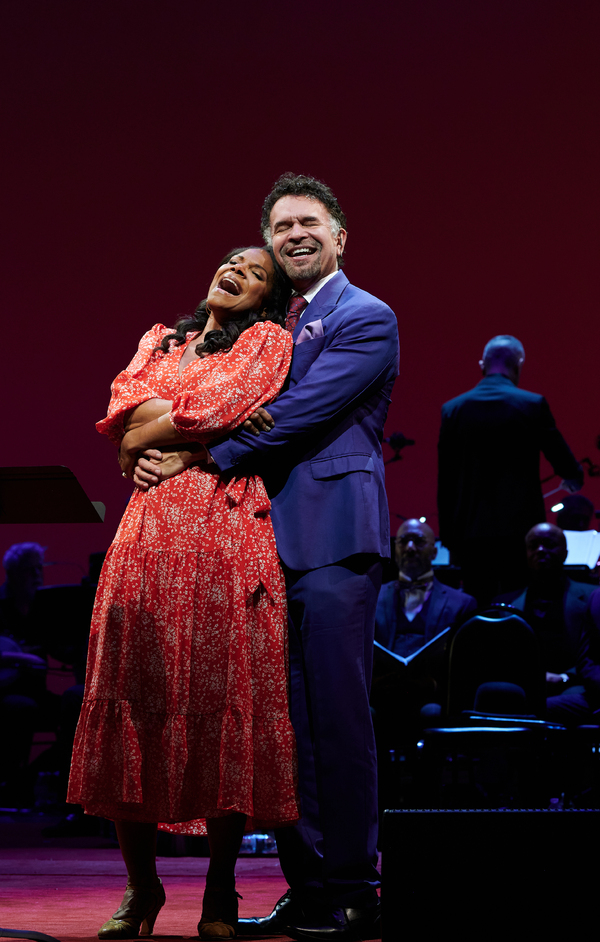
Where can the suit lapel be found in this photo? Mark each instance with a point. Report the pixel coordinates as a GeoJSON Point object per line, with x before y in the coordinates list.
{"type": "Point", "coordinates": [519, 601]}
{"type": "Point", "coordinates": [434, 611]}
{"type": "Point", "coordinates": [323, 303]}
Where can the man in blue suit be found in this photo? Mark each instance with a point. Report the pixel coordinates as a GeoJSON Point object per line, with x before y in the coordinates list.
{"type": "Point", "coordinates": [320, 455]}
{"type": "Point", "coordinates": [323, 465]}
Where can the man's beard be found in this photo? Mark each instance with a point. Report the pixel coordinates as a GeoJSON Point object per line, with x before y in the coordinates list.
{"type": "Point", "coordinates": [307, 273]}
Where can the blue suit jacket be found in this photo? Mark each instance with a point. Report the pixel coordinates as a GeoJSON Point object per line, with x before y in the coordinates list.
{"type": "Point", "coordinates": [322, 462]}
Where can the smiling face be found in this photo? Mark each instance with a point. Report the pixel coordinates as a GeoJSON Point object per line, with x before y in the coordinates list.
{"type": "Point", "coordinates": [303, 241]}
{"type": "Point", "coordinates": [241, 284]}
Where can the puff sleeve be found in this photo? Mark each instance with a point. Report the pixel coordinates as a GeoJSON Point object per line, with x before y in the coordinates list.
{"type": "Point", "coordinates": [130, 387]}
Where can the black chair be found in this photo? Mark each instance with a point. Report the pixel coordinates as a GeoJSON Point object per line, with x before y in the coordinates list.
{"type": "Point", "coordinates": [497, 646]}
{"type": "Point", "coordinates": [492, 758]}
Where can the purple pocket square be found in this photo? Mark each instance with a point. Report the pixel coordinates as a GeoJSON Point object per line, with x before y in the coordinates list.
{"type": "Point", "coordinates": [310, 332]}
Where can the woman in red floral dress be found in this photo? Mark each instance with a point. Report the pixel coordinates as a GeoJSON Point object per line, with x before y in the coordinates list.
{"type": "Point", "coordinates": [185, 715]}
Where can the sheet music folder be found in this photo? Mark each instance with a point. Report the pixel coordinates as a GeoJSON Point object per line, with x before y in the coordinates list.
{"type": "Point", "coordinates": [50, 494]}
{"type": "Point", "coordinates": [386, 662]}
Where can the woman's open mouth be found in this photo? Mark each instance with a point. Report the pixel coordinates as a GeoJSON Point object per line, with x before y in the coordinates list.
{"type": "Point", "coordinates": [230, 285]}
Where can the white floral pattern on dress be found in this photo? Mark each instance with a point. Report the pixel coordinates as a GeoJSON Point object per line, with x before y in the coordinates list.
{"type": "Point", "coordinates": [185, 713]}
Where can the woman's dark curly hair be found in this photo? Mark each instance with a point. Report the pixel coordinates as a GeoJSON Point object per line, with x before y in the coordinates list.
{"type": "Point", "coordinates": [273, 309]}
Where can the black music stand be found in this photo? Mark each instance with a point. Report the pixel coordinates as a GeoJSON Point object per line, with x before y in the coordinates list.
{"type": "Point", "coordinates": [50, 494]}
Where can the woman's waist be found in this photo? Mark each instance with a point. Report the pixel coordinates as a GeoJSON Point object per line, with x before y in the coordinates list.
{"type": "Point", "coordinates": [192, 502]}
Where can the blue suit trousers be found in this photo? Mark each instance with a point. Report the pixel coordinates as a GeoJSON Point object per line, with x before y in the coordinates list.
{"type": "Point", "coordinates": [332, 853]}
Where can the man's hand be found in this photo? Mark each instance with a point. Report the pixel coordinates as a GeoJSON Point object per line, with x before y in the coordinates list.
{"type": "Point", "coordinates": [259, 421]}
{"type": "Point", "coordinates": [572, 485]}
{"type": "Point", "coordinates": [555, 678]}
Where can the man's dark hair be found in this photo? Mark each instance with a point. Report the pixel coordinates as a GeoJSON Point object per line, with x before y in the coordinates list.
{"type": "Point", "coordinates": [224, 339]}
{"type": "Point", "coordinates": [292, 184]}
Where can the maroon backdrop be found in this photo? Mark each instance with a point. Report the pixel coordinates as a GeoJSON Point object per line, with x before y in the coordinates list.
{"type": "Point", "coordinates": [462, 139]}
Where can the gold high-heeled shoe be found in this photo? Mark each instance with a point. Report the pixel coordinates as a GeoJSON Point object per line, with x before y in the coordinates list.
{"type": "Point", "coordinates": [219, 915]}
{"type": "Point", "coordinates": [137, 913]}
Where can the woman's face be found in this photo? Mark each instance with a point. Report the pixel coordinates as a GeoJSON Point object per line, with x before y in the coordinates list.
{"type": "Point", "coordinates": [241, 284]}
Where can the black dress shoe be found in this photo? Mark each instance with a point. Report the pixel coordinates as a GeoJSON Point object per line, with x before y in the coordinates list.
{"type": "Point", "coordinates": [285, 911]}
{"type": "Point", "coordinates": [342, 925]}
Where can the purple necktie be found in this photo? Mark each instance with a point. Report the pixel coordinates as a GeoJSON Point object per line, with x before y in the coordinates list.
{"type": "Point", "coordinates": [295, 308]}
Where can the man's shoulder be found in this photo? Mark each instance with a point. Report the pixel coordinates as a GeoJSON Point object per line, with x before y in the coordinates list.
{"type": "Point", "coordinates": [455, 596]}
{"type": "Point", "coordinates": [452, 404]}
{"type": "Point", "coordinates": [363, 299]}
{"type": "Point", "coordinates": [386, 593]}
{"type": "Point", "coordinates": [580, 590]}
{"type": "Point", "coordinates": [508, 392]}
{"type": "Point", "coordinates": [525, 395]}
{"type": "Point", "coordinates": [341, 295]}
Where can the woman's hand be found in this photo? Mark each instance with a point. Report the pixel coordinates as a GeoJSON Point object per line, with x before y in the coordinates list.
{"type": "Point", "coordinates": [158, 433]}
{"type": "Point", "coordinates": [155, 466]}
{"type": "Point", "coordinates": [128, 455]}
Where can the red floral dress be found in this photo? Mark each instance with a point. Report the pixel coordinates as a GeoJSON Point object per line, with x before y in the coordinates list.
{"type": "Point", "coordinates": [185, 713]}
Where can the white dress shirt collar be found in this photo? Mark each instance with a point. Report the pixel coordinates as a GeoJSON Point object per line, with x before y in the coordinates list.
{"type": "Point", "coordinates": [312, 291]}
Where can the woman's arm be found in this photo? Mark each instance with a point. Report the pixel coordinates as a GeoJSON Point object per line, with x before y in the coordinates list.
{"type": "Point", "coordinates": [154, 434]}
{"type": "Point", "coordinates": [222, 394]}
{"type": "Point", "coordinates": [146, 412]}
{"type": "Point", "coordinates": [131, 388]}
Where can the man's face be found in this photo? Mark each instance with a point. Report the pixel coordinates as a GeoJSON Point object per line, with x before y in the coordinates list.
{"type": "Point", "coordinates": [546, 548]}
{"type": "Point", "coordinates": [303, 242]}
{"type": "Point", "coordinates": [415, 548]}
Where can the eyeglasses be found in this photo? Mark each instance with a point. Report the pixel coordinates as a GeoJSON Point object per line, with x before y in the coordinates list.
{"type": "Point", "coordinates": [411, 538]}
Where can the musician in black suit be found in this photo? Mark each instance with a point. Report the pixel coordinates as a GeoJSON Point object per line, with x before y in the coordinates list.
{"type": "Point", "coordinates": [565, 617]}
{"type": "Point", "coordinates": [416, 607]}
{"type": "Point", "coordinates": [489, 491]}
{"type": "Point", "coordinates": [411, 611]}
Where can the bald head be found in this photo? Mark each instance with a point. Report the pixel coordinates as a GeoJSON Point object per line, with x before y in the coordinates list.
{"type": "Point", "coordinates": [546, 547]}
{"type": "Point", "coordinates": [415, 548]}
{"type": "Point", "coordinates": [505, 355]}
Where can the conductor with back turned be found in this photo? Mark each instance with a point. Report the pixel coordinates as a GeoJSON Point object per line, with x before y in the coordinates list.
{"type": "Point", "coordinates": [489, 485]}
